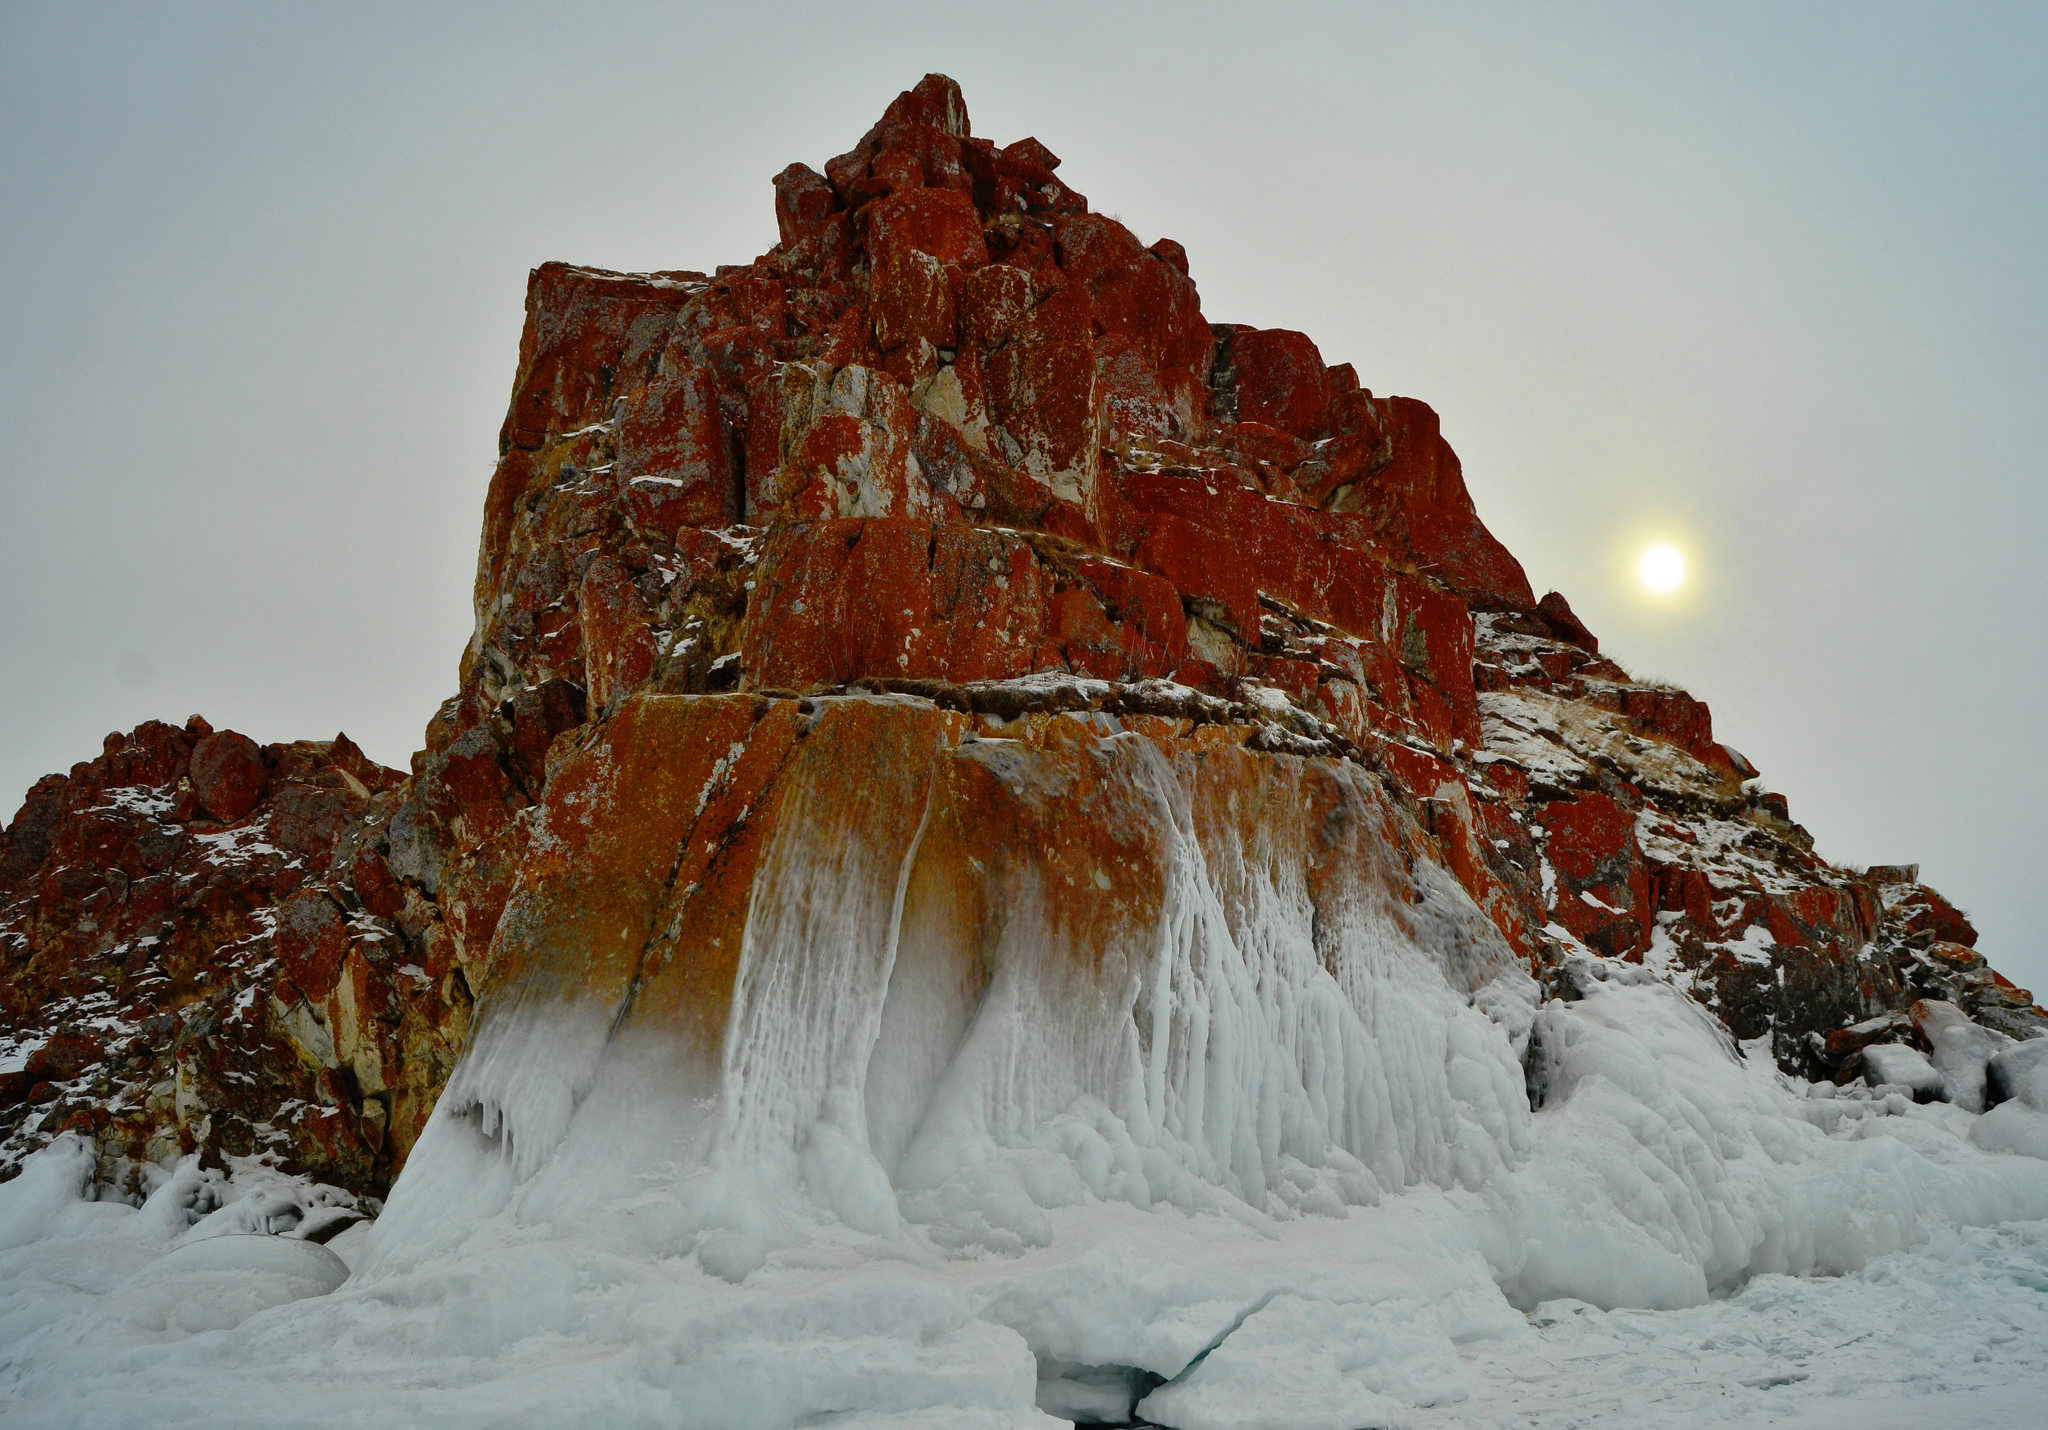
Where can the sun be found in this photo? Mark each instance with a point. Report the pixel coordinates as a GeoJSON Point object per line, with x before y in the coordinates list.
{"type": "Point", "coordinates": [1662, 568]}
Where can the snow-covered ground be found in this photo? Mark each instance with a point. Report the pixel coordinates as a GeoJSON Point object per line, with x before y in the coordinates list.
{"type": "Point", "coordinates": [1952, 1334]}
{"type": "Point", "coordinates": [1816, 1261]}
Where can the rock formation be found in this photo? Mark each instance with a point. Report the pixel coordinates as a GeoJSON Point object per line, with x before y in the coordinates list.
{"type": "Point", "coordinates": [180, 975]}
{"type": "Point", "coordinates": [901, 664]}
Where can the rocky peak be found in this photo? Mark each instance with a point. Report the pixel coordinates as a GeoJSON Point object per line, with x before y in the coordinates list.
{"type": "Point", "coordinates": [959, 461]}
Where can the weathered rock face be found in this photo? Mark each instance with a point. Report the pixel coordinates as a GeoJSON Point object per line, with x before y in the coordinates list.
{"type": "Point", "coordinates": [1000, 920]}
{"type": "Point", "coordinates": [951, 530]}
{"type": "Point", "coordinates": [187, 966]}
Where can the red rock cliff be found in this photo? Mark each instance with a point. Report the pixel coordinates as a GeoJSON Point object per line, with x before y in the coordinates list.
{"type": "Point", "coordinates": [958, 462]}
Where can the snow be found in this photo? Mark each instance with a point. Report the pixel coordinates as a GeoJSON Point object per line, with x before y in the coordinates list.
{"type": "Point", "coordinates": [238, 845]}
{"type": "Point", "coordinates": [51, 1199]}
{"type": "Point", "coordinates": [1309, 1170]}
{"type": "Point", "coordinates": [1961, 1052]}
{"type": "Point", "coordinates": [1895, 1064]}
{"type": "Point", "coordinates": [1948, 1334]}
{"type": "Point", "coordinates": [1318, 1365]}
{"type": "Point", "coordinates": [2020, 1072]}
{"type": "Point", "coordinates": [216, 1284]}
{"type": "Point", "coordinates": [138, 799]}
{"type": "Point", "coordinates": [2012, 1127]}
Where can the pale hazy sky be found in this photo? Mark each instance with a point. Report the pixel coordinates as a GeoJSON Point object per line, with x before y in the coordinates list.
{"type": "Point", "coordinates": [1763, 280]}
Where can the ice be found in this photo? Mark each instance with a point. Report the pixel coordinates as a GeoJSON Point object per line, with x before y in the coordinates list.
{"type": "Point", "coordinates": [1387, 1315]}
{"type": "Point", "coordinates": [1672, 1169]}
{"type": "Point", "coordinates": [947, 1418]}
{"type": "Point", "coordinates": [348, 1243]}
{"type": "Point", "coordinates": [2019, 1072]}
{"type": "Point", "coordinates": [1092, 1394]}
{"type": "Point", "coordinates": [2012, 1127]}
{"type": "Point", "coordinates": [1318, 1365]}
{"type": "Point", "coordinates": [52, 1199]}
{"type": "Point", "coordinates": [185, 1197]}
{"type": "Point", "coordinates": [220, 1282]}
{"type": "Point", "coordinates": [1961, 1050]}
{"type": "Point", "coordinates": [1896, 1065]}
{"type": "Point", "coordinates": [261, 1213]}
{"type": "Point", "coordinates": [1317, 1154]}
{"type": "Point", "coordinates": [1948, 1334]}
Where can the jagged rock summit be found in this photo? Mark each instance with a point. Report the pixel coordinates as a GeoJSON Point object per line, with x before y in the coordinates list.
{"type": "Point", "coordinates": [954, 741]}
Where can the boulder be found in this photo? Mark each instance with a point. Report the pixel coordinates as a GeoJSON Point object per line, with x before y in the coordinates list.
{"type": "Point", "coordinates": [1896, 1065]}
{"type": "Point", "coordinates": [1281, 381]}
{"type": "Point", "coordinates": [1844, 1043]}
{"type": "Point", "coordinates": [941, 224]}
{"type": "Point", "coordinates": [2019, 1072]}
{"type": "Point", "coordinates": [804, 203]}
{"type": "Point", "coordinates": [673, 463]}
{"type": "Point", "coordinates": [67, 1053]}
{"type": "Point", "coordinates": [1928, 913]}
{"type": "Point", "coordinates": [847, 445]}
{"type": "Point", "coordinates": [1557, 614]}
{"type": "Point", "coordinates": [27, 841]}
{"type": "Point", "coordinates": [312, 941]}
{"type": "Point", "coordinates": [1961, 1050]}
{"type": "Point", "coordinates": [228, 775]}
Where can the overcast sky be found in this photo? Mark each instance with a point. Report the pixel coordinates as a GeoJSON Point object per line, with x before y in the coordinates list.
{"type": "Point", "coordinates": [1766, 282]}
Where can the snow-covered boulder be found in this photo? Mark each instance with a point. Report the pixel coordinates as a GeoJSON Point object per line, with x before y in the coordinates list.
{"type": "Point", "coordinates": [219, 1282]}
{"type": "Point", "coordinates": [1961, 1049]}
{"type": "Point", "coordinates": [2019, 1072]}
{"type": "Point", "coordinates": [1896, 1065]}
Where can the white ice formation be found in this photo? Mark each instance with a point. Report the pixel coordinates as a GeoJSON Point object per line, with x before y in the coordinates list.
{"type": "Point", "coordinates": [1311, 1159]}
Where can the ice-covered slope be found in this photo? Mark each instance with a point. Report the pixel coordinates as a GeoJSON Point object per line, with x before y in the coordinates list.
{"type": "Point", "coordinates": [654, 1268]}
